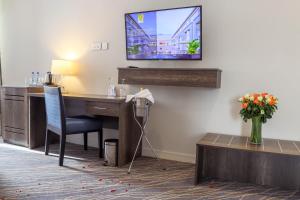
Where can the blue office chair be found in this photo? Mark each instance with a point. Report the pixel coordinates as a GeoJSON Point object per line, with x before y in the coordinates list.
{"type": "Point", "coordinates": [61, 125]}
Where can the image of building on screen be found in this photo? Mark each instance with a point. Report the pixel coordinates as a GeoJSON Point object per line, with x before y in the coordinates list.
{"type": "Point", "coordinates": [166, 34]}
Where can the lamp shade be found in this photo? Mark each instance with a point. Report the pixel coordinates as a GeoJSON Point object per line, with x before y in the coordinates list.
{"type": "Point", "coordinates": [62, 67]}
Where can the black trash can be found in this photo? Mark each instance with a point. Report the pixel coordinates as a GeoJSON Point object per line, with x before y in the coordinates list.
{"type": "Point", "coordinates": [111, 152]}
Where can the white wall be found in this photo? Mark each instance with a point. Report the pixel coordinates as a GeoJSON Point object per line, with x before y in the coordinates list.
{"type": "Point", "coordinates": [1, 25]}
{"type": "Point", "coordinates": [255, 42]}
{"type": "Point", "coordinates": [1, 12]}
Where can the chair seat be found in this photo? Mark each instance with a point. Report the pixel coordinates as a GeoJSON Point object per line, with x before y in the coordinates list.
{"type": "Point", "coordinates": [59, 124]}
{"type": "Point", "coordinates": [81, 124]}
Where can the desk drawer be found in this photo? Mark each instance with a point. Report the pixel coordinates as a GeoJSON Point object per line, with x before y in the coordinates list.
{"type": "Point", "coordinates": [99, 108]}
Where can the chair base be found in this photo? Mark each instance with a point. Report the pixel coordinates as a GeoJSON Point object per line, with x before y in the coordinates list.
{"type": "Point", "coordinates": [63, 143]}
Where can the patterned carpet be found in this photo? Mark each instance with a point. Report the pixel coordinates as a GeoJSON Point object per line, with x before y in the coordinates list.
{"type": "Point", "coordinates": [26, 174]}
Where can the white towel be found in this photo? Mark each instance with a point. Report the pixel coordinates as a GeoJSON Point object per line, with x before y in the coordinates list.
{"type": "Point", "coordinates": [142, 94]}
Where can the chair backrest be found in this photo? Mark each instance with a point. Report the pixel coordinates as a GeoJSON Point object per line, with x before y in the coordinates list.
{"type": "Point", "coordinates": [55, 113]}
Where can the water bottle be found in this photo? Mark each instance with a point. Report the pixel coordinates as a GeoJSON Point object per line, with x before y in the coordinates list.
{"type": "Point", "coordinates": [123, 91]}
{"type": "Point", "coordinates": [111, 88]}
{"type": "Point", "coordinates": [37, 78]}
{"type": "Point", "coordinates": [32, 80]}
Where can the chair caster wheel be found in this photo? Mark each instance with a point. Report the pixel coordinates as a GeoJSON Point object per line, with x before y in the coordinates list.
{"type": "Point", "coordinates": [128, 172]}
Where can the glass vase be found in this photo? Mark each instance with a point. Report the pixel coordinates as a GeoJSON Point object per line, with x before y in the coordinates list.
{"type": "Point", "coordinates": [256, 130]}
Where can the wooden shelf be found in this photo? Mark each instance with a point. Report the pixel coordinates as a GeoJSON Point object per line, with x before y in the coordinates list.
{"type": "Point", "coordinates": [188, 77]}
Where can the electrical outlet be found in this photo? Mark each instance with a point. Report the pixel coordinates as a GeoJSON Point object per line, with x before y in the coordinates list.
{"type": "Point", "coordinates": [104, 46]}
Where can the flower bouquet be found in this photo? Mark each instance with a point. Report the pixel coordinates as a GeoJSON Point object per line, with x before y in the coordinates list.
{"type": "Point", "coordinates": [259, 107]}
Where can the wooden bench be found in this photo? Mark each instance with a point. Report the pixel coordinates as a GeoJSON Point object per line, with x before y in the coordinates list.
{"type": "Point", "coordinates": [234, 158]}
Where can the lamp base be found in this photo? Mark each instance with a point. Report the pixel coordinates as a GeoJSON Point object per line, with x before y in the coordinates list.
{"type": "Point", "coordinates": [63, 90]}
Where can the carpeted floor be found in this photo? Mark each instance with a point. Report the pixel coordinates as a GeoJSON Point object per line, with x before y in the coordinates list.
{"type": "Point", "coordinates": [26, 174]}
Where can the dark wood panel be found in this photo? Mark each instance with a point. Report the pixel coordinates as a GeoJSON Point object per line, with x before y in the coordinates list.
{"type": "Point", "coordinates": [13, 103]}
{"type": "Point", "coordinates": [289, 147]}
{"type": "Point", "coordinates": [224, 140]}
{"type": "Point", "coordinates": [85, 97]}
{"type": "Point", "coordinates": [297, 145]}
{"type": "Point", "coordinates": [14, 106]}
{"type": "Point", "coordinates": [243, 143]}
{"type": "Point", "coordinates": [129, 134]}
{"type": "Point", "coordinates": [14, 97]}
{"type": "Point", "coordinates": [239, 142]}
{"type": "Point", "coordinates": [14, 114]}
{"type": "Point", "coordinates": [37, 122]}
{"type": "Point", "coordinates": [14, 91]}
{"type": "Point", "coordinates": [103, 108]}
{"type": "Point", "coordinates": [270, 145]}
{"type": "Point", "coordinates": [208, 138]}
{"type": "Point", "coordinates": [252, 167]}
{"type": "Point", "coordinates": [15, 138]}
{"type": "Point", "coordinates": [75, 107]}
{"type": "Point", "coordinates": [14, 130]}
{"type": "Point", "coordinates": [190, 77]}
{"type": "Point", "coordinates": [199, 163]}
{"type": "Point", "coordinates": [234, 158]}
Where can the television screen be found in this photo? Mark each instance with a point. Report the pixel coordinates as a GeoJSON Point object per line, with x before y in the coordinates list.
{"type": "Point", "coordinates": [171, 34]}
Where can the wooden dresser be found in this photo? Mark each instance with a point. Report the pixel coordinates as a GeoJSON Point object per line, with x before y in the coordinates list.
{"type": "Point", "coordinates": [14, 106]}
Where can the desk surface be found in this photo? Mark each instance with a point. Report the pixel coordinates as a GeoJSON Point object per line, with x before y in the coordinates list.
{"type": "Point", "coordinates": [243, 143]}
{"type": "Point", "coordinates": [85, 97]}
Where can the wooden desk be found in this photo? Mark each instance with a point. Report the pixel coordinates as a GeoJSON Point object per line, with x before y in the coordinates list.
{"type": "Point", "coordinates": [233, 158]}
{"type": "Point", "coordinates": [115, 113]}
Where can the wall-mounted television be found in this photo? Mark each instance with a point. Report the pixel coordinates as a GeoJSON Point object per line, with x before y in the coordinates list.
{"type": "Point", "coordinates": [169, 34]}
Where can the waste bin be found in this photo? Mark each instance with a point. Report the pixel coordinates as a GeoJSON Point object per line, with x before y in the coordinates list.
{"type": "Point", "coordinates": [141, 106]}
{"type": "Point", "coordinates": [111, 152]}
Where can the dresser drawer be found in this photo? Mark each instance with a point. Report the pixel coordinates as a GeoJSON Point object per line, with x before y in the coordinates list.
{"type": "Point", "coordinates": [13, 94]}
{"type": "Point", "coordinates": [99, 108]}
{"type": "Point", "coordinates": [21, 92]}
{"type": "Point", "coordinates": [14, 106]}
{"type": "Point", "coordinates": [15, 137]}
{"type": "Point", "coordinates": [14, 114]}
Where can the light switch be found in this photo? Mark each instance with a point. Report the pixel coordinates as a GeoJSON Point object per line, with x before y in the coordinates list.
{"type": "Point", "coordinates": [96, 46]}
{"type": "Point", "coordinates": [104, 45]}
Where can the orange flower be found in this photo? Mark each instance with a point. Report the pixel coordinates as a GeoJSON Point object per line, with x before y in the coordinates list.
{"type": "Point", "coordinates": [264, 94]}
{"type": "Point", "coordinates": [256, 101]}
{"type": "Point", "coordinates": [255, 95]}
{"type": "Point", "coordinates": [244, 105]}
{"type": "Point", "coordinates": [272, 102]}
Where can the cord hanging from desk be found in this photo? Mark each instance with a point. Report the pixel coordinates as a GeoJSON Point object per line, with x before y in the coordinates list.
{"type": "Point", "coordinates": [142, 101]}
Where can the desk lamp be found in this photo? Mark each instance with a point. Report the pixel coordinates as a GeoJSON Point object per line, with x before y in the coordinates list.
{"type": "Point", "coordinates": [61, 68]}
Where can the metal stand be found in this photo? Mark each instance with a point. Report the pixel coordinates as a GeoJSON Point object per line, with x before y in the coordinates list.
{"type": "Point", "coordinates": [145, 107]}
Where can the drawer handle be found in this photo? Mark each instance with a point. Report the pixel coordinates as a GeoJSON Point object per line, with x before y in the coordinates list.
{"type": "Point", "coordinates": [99, 108]}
